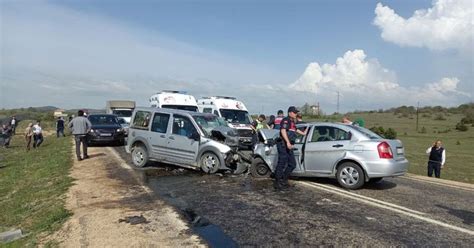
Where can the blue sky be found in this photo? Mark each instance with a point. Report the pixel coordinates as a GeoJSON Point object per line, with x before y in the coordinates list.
{"type": "Point", "coordinates": [264, 52]}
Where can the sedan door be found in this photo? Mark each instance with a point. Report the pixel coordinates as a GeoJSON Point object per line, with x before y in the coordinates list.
{"type": "Point", "coordinates": [182, 148]}
{"type": "Point", "coordinates": [326, 146]}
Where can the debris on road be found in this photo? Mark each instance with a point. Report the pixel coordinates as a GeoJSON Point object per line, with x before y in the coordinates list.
{"type": "Point", "coordinates": [134, 220]}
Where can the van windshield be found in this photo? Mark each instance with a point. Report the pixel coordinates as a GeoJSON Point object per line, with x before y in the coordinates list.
{"type": "Point", "coordinates": [208, 122]}
{"type": "Point", "coordinates": [235, 116]}
{"type": "Point", "coordinates": [181, 107]}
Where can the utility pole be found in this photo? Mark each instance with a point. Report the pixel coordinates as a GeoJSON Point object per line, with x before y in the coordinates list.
{"type": "Point", "coordinates": [417, 107]}
{"type": "Point", "coordinates": [337, 102]}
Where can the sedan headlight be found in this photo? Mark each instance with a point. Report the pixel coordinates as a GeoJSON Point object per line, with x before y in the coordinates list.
{"type": "Point", "coordinates": [92, 130]}
{"type": "Point", "coordinates": [120, 130]}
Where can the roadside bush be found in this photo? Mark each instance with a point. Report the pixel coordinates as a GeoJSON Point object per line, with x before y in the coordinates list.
{"type": "Point", "coordinates": [458, 143]}
{"type": "Point", "coordinates": [461, 127]}
{"type": "Point", "coordinates": [440, 117]}
{"type": "Point", "coordinates": [390, 133]}
{"type": "Point", "coordinates": [423, 130]}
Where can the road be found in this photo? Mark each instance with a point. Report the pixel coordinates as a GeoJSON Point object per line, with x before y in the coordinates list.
{"type": "Point", "coordinates": [400, 211]}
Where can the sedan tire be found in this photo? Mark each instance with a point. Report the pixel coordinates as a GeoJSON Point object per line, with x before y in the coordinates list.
{"type": "Point", "coordinates": [139, 156]}
{"type": "Point", "coordinates": [350, 175]}
{"type": "Point", "coordinates": [259, 168]}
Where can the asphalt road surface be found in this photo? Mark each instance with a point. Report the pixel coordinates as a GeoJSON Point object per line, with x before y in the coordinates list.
{"type": "Point", "coordinates": [244, 211]}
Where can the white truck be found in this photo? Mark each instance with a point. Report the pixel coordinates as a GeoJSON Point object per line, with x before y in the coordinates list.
{"type": "Point", "coordinates": [234, 112]}
{"type": "Point", "coordinates": [174, 100]}
{"type": "Point", "coordinates": [122, 108]}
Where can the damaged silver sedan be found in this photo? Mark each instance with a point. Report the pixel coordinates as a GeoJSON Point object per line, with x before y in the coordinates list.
{"type": "Point", "coordinates": [351, 154]}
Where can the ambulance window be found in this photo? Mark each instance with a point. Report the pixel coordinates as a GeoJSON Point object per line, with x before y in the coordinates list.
{"type": "Point", "coordinates": [207, 110]}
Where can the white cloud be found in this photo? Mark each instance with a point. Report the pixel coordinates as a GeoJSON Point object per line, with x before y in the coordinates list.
{"type": "Point", "coordinates": [449, 24]}
{"type": "Point", "coordinates": [364, 83]}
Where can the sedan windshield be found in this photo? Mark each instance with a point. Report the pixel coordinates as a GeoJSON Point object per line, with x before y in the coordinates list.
{"type": "Point", "coordinates": [103, 119]}
{"type": "Point", "coordinates": [208, 122]}
{"type": "Point", "coordinates": [236, 116]}
{"type": "Point", "coordinates": [366, 132]}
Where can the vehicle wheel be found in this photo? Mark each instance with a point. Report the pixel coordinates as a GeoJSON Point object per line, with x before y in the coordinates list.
{"type": "Point", "coordinates": [259, 168]}
{"type": "Point", "coordinates": [139, 156]}
{"type": "Point", "coordinates": [350, 176]}
{"type": "Point", "coordinates": [209, 163]}
{"type": "Point", "coordinates": [375, 180]}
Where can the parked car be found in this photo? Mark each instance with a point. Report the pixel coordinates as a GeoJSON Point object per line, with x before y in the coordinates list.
{"type": "Point", "coordinates": [106, 129]}
{"type": "Point", "coordinates": [351, 154]}
{"type": "Point", "coordinates": [184, 138]}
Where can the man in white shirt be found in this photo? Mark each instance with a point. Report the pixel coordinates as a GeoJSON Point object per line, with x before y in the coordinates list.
{"type": "Point", "coordinates": [37, 135]}
{"type": "Point", "coordinates": [436, 159]}
{"type": "Point", "coordinates": [13, 124]}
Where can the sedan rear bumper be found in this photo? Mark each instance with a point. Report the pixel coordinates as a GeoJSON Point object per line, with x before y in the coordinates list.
{"type": "Point", "coordinates": [386, 168]}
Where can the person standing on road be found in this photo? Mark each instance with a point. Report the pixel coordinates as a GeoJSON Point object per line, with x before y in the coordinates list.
{"type": "Point", "coordinates": [80, 127]}
{"type": "Point", "coordinates": [436, 159]}
{"type": "Point", "coordinates": [37, 135]}
{"type": "Point", "coordinates": [28, 135]}
{"type": "Point", "coordinates": [60, 127]}
{"type": "Point", "coordinates": [13, 124]}
{"type": "Point", "coordinates": [286, 158]}
{"type": "Point", "coordinates": [278, 119]}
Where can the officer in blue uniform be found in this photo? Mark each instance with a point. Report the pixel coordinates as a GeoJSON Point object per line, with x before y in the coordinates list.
{"type": "Point", "coordinates": [286, 158]}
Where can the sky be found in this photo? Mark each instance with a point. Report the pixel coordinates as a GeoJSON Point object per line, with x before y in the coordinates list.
{"type": "Point", "coordinates": [269, 54]}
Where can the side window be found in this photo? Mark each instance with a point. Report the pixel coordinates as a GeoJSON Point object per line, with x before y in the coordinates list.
{"type": "Point", "coordinates": [216, 112]}
{"type": "Point", "coordinates": [141, 120]}
{"type": "Point", "coordinates": [183, 126]}
{"type": "Point", "coordinates": [160, 123]}
{"type": "Point", "coordinates": [324, 133]}
{"type": "Point", "coordinates": [207, 110]}
{"type": "Point", "coordinates": [300, 138]}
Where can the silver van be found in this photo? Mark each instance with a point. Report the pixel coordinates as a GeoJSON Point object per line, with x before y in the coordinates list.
{"type": "Point", "coordinates": [188, 139]}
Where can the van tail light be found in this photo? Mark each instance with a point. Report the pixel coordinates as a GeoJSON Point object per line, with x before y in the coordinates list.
{"type": "Point", "coordinates": [384, 150]}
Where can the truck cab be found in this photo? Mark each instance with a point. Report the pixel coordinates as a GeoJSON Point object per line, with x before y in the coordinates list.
{"type": "Point", "coordinates": [233, 112]}
{"type": "Point", "coordinates": [172, 99]}
{"type": "Point", "coordinates": [123, 109]}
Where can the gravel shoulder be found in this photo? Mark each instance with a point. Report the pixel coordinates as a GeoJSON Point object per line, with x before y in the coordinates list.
{"type": "Point", "coordinates": [104, 194]}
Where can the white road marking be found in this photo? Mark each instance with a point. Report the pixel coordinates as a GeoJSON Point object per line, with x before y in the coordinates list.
{"type": "Point", "coordinates": [386, 205]}
{"type": "Point", "coordinates": [437, 183]}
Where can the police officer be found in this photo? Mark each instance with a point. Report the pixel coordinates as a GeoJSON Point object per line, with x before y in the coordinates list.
{"type": "Point", "coordinates": [286, 158]}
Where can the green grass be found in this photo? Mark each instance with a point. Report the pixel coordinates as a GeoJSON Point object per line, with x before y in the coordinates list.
{"type": "Point", "coordinates": [33, 186]}
{"type": "Point", "coordinates": [459, 145]}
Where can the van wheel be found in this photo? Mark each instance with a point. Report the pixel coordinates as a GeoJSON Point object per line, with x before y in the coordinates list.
{"type": "Point", "coordinates": [209, 163]}
{"type": "Point", "coordinates": [350, 176]}
{"type": "Point", "coordinates": [139, 156]}
{"type": "Point", "coordinates": [259, 168]}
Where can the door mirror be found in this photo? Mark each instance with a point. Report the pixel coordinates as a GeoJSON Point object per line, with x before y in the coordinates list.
{"type": "Point", "coordinates": [195, 136]}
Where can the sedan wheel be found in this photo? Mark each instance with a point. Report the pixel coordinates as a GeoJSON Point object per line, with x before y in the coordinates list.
{"type": "Point", "coordinates": [350, 176]}
{"type": "Point", "coordinates": [209, 163]}
{"type": "Point", "coordinates": [139, 156]}
{"type": "Point", "coordinates": [259, 168]}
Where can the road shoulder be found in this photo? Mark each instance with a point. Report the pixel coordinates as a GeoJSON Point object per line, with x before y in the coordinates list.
{"type": "Point", "coordinates": [103, 196]}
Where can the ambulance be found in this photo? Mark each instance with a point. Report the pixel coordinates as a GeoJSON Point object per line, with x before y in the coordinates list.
{"type": "Point", "coordinates": [233, 112]}
{"type": "Point", "coordinates": [173, 99]}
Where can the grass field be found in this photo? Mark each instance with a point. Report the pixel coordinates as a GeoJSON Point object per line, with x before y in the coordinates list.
{"type": "Point", "coordinates": [459, 145]}
{"type": "Point", "coordinates": [33, 186]}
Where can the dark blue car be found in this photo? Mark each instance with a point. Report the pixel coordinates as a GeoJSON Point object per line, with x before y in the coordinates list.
{"type": "Point", "coordinates": [106, 129]}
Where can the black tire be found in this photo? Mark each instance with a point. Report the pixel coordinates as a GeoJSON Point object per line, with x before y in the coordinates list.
{"type": "Point", "coordinates": [209, 163]}
{"type": "Point", "coordinates": [259, 168]}
{"type": "Point", "coordinates": [375, 180]}
{"type": "Point", "coordinates": [139, 156]}
{"type": "Point", "coordinates": [350, 175]}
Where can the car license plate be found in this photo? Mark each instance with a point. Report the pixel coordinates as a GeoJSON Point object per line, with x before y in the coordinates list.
{"type": "Point", "coordinates": [105, 134]}
{"type": "Point", "coordinates": [400, 150]}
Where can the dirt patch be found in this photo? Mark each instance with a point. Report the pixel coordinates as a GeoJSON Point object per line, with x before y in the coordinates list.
{"type": "Point", "coordinates": [104, 195]}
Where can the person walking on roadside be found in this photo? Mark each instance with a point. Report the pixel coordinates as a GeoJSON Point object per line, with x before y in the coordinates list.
{"type": "Point", "coordinates": [286, 158]}
{"type": "Point", "coordinates": [437, 158]}
{"type": "Point", "coordinates": [29, 136]}
{"type": "Point", "coordinates": [60, 127]}
{"type": "Point", "coordinates": [80, 127]}
{"type": "Point", "coordinates": [37, 135]}
{"type": "Point", "coordinates": [280, 116]}
{"type": "Point", "coordinates": [13, 124]}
